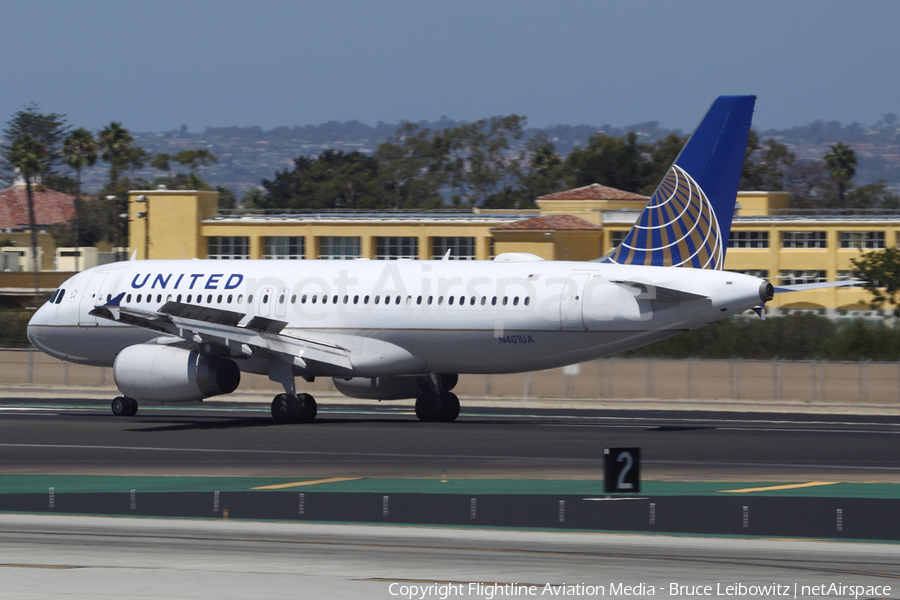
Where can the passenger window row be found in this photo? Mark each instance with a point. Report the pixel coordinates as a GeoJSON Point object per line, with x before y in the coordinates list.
{"type": "Point", "coordinates": [323, 299]}
{"type": "Point", "coordinates": [428, 300]}
{"type": "Point", "coordinates": [190, 298]}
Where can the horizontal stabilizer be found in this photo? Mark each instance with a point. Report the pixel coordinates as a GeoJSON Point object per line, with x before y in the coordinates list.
{"type": "Point", "coordinates": [661, 293]}
{"type": "Point", "coordinates": [803, 287]}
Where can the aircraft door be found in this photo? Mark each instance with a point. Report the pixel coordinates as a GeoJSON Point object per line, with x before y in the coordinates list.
{"type": "Point", "coordinates": [571, 302]}
{"type": "Point", "coordinates": [90, 298]}
{"type": "Point", "coordinates": [266, 300]}
{"type": "Point", "coordinates": [281, 302]}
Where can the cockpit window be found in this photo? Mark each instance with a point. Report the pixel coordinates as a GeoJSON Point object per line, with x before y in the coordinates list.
{"type": "Point", "coordinates": [52, 299]}
{"type": "Point", "coordinates": [60, 295]}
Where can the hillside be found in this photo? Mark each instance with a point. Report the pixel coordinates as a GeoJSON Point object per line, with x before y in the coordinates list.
{"type": "Point", "coordinates": [247, 155]}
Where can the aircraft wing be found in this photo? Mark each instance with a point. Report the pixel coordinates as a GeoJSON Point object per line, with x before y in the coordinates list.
{"type": "Point", "coordinates": [201, 325]}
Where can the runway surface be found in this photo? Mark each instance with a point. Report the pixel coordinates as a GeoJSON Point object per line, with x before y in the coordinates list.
{"type": "Point", "coordinates": [385, 440]}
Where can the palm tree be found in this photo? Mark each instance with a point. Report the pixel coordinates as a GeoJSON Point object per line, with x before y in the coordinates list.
{"type": "Point", "coordinates": [841, 161]}
{"type": "Point", "coordinates": [27, 155]}
{"type": "Point", "coordinates": [80, 151]}
{"type": "Point", "coordinates": [115, 141]}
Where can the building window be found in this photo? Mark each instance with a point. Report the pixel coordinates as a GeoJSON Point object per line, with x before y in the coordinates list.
{"type": "Point", "coordinates": [798, 277]}
{"type": "Point", "coordinates": [748, 239]}
{"type": "Point", "coordinates": [461, 248]}
{"type": "Point", "coordinates": [862, 239]}
{"type": "Point", "coordinates": [803, 239]}
{"type": "Point", "coordinates": [339, 248]}
{"type": "Point", "coordinates": [616, 238]}
{"type": "Point", "coordinates": [292, 248]}
{"type": "Point", "coordinates": [225, 247]}
{"type": "Point", "coordinates": [392, 248]}
{"type": "Point", "coordinates": [759, 273]}
{"type": "Point", "coordinates": [847, 276]}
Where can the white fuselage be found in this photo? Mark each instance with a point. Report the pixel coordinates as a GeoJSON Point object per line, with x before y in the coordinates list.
{"type": "Point", "coordinates": [407, 317]}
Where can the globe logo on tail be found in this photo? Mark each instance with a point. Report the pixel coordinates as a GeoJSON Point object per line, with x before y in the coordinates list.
{"type": "Point", "coordinates": [678, 228]}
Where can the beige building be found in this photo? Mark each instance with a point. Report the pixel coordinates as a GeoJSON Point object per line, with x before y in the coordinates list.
{"type": "Point", "coordinates": [767, 239]}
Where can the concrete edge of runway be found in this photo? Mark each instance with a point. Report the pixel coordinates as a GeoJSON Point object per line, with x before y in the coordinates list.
{"type": "Point", "coordinates": [264, 399]}
{"type": "Point", "coordinates": [431, 535]}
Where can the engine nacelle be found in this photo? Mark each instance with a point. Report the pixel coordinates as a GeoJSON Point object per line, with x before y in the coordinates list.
{"type": "Point", "coordinates": [390, 388]}
{"type": "Point", "coordinates": [167, 374]}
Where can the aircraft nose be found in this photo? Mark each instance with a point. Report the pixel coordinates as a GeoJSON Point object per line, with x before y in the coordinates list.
{"type": "Point", "coordinates": [37, 328]}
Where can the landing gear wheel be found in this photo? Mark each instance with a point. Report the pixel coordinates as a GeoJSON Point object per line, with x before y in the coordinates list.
{"type": "Point", "coordinates": [449, 408]}
{"type": "Point", "coordinates": [428, 407]}
{"type": "Point", "coordinates": [285, 409]}
{"type": "Point", "coordinates": [124, 407]}
{"type": "Point", "coordinates": [308, 408]}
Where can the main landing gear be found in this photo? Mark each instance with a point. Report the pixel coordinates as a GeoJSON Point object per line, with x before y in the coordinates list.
{"type": "Point", "coordinates": [432, 406]}
{"type": "Point", "coordinates": [124, 407]}
{"type": "Point", "coordinates": [290, 408]}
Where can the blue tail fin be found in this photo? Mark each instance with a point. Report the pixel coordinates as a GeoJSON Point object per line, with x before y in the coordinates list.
{"type": "Point", "coordinates": [688, 219]}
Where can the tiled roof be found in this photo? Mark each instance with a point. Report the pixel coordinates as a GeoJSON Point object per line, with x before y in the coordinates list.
{"type": "Point", "coordinates": [49, 207]}
{"type": "Point", "coordinates": [548, 223]}
{"type": "Point", "coordinates": [595, 191]}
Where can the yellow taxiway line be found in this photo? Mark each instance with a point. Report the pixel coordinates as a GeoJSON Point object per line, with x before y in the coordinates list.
{"type": "Point", "coordinates": [282, 486]}
{"type": "Point", "coordinates": [771, 488]}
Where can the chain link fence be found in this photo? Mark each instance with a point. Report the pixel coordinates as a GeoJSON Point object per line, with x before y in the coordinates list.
{"type": "Point", "coordinates": [612, 379]}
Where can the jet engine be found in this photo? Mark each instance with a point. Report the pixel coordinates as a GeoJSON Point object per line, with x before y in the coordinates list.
{"type": "Point", "coordinates": [167, 374]}
{"type": "Point", "coordinates": [390, 388]}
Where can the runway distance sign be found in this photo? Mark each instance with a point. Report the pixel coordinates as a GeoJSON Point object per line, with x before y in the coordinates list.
{"type": "Point", "coordinates": [622, 468]}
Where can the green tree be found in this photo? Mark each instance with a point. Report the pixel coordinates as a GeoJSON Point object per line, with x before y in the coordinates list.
{"type": "Point", "coordinates": [766, 167]}
{"type": "Point", "coordinates": [542, 172]}
{"type": "Point", "coordinates": [880, 269]}
{"type": "Point", "coordinates": [331, 180]}
{"type": "Point", "coordinates": [80, 150]}
{"type": "Point", "coordinates": [115, 141]}
{"type": "Point", "coordinates": [94, 219]}
{"type": "Point", "coordinates": [48, 129]}
{"type": "Point", "coordinates": [227, 198]}
{"type": "Point", "coordinates": [255, 197]}
{"type": "Point", "coordinates": [161, 161]}
{"type": "Point", "coordinates": [611, 161]}
{"type": "Point", "coordinates": [193, 160]}
{"type": "Point", "coordinates": [412, 167]}
{"type": "Point", "coordinates": [27, 154]}
{"type": "Point", "coordinates": [478, 166]}
{"type": "Point", "coordinates": [841, 161]}
{"type": "Point", "coordinates": [809, 185]}
{"type": "Point", "coordinates": [662, 156]}
{"type": "Point", "coordinates": [873, 195]}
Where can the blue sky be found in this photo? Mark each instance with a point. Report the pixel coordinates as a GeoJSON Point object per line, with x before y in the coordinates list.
{"type": "Point", "coordinates": [157, 64]}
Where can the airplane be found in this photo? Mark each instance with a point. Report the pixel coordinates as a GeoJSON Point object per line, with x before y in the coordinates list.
{"type": "Point", "coordinates": [185, 330]}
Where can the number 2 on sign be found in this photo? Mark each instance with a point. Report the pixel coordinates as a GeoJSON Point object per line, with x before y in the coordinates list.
{"type": "Point", "coordinates": [629, 461]}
